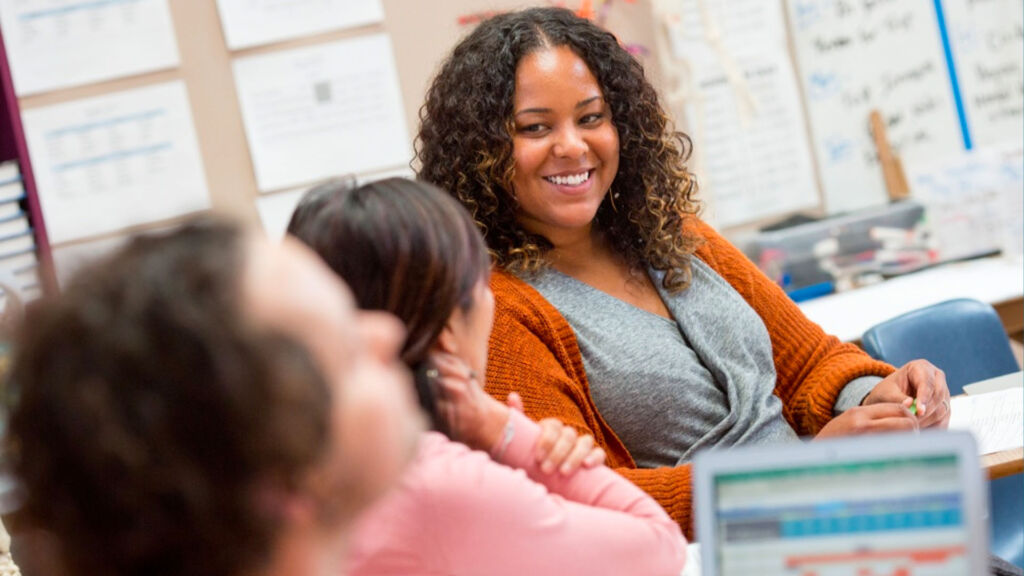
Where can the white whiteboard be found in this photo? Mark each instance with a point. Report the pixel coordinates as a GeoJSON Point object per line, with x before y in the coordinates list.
{"type": "Point", "coordinates": [857, 56]}
{"type": "Point", "coordinates": [988, 48]}
{"type": "Point", "coordinates": [751, 152]}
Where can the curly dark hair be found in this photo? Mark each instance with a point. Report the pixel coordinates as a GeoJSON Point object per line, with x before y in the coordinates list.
{"type": "Point", "coordinates": [150, 418]}
{"type": "Point", "coordinates": [465, 144]}
{"type": "Point", "coordinates": [402, 246]}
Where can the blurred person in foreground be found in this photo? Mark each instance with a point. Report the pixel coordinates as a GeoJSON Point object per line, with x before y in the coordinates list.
{"type": "Point", "coordinates": [205, 402]}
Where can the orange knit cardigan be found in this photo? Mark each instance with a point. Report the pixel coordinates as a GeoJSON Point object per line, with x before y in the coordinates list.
{"type": "Point", "coordinates": [533, 351]}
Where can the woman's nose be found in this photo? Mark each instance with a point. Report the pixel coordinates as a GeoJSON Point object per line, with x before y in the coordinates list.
{"type": "Point", "coordinates": [570, 144]}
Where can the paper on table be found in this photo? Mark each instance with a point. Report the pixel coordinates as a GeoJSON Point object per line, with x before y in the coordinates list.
{"type": "Point", "coordinates": [994, 419]}
{"type": "Point", "coordinates": [858, 56]}
{"type": "Point", "coordinates": [320, 111]}
{"type": "Point", "coordinates": [113, 161]}
{"type": "Point", "coordinates": [1012, 380]}
{"type": "Point", "coordinates": [751, 149]}
{"type": "Point", "coordinates": [692, 567]}
{"type": "Point", "coordinates": [988, 48]}
{"type": "Point", "coordinates": [254, 22]}
{"type": "Point", "coordinates": [59, 43]}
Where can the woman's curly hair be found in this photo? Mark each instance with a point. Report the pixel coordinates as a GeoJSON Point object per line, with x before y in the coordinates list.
{"type": "Point", "coordinates": [465, 144]}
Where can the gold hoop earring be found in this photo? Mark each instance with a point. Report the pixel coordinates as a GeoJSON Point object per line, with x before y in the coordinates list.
{"type": "Point", "coordinates": [611, 199]}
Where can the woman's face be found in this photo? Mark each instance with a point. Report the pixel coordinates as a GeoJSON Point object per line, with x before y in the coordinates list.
{"type": "Point", "coordinates": [470, 329]}
{"type": "Point", "coordinates": [565, 146]}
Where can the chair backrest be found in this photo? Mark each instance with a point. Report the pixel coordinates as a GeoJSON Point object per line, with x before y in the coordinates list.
{"type": "Point", "coordinates": [963, 337]}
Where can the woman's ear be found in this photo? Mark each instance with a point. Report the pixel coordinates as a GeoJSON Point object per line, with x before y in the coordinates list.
{"type": "Point", "coordinates": [446, 340]}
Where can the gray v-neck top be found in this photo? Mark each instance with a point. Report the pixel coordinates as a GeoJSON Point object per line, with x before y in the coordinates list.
{"type": "Point", "coordinates": [668, 387]}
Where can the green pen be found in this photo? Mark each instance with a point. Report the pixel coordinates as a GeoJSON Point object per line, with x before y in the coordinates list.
{"type": "Point", "coordinates": [913, 407]}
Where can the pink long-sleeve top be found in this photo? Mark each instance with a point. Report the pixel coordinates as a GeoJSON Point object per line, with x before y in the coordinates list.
{"type": "Point", "coordinates": [457, 511]}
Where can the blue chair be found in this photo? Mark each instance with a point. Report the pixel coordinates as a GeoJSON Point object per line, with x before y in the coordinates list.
{"type": "Point", "coordinates": [966, 340]}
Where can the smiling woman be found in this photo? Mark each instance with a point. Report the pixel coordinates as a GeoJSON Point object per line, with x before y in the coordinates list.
{"type": "Point", "coordinates": [470, 143]}
{"type": "Point", "coordinates": [617, 310]}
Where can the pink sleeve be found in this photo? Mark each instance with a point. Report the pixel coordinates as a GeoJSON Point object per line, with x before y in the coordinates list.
{"type": "Point", "coordinates": [593, 521]}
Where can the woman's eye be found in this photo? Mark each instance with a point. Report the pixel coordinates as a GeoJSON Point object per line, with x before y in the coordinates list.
{"type": "Point", "coordinates": [530, 129]}
{"type": "Point", "coordinates": [591, 118]}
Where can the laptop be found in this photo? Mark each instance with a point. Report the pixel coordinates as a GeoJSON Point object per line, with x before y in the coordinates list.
{"type": "Point", "coordinates": [883, 505]}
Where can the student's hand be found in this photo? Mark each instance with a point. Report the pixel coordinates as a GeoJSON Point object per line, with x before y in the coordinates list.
{"type": "Point", "coordinates": [583, 453]}
{"type": "Point", "coordinates": [471, 415]}
{"type": "Point", "coordinates": [918, 380]}
{"type": "Point", "coordinates": [890, 417]}
{"type": "Point", "coordinates": [559, 446]}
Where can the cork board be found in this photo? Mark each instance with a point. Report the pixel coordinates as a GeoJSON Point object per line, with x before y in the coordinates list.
{"type": "Point", "coordinates": [421, 35]}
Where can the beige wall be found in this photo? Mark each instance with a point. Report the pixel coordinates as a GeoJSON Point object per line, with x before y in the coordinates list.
{"type": "Point", "coordinates": [421, 31]}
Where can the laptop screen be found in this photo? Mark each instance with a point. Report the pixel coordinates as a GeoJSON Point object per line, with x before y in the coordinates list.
{"type": "Point", "coordinates": [897, 517]}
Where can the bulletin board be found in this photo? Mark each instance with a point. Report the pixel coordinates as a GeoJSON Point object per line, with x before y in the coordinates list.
{"type": "Point", "coordinates": [742, 78]}
{"type": "Point", "coordinates": [420, 35]}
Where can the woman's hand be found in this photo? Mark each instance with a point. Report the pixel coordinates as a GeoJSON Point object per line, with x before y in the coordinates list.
{"type": "Point", "coordinates": [477, 420]}
{"type": "Point", "coordinates": [918, 380]}
{"type": "Point", "coordinates": [559, 446]}
{"type": "Point", "coordinates": [471, 415]}
{"type": "Point", "coordinates": [889, 417]}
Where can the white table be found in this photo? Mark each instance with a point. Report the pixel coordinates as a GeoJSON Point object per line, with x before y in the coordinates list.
{"type": "Point", "coordinates": [997, 281]}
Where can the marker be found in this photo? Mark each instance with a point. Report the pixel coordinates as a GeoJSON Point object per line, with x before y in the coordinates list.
{"type": "Point", "coordinates": [913, 407]}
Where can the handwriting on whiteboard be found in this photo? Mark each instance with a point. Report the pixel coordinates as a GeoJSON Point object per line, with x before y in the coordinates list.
{"type": "Point", "coordinates": [858, 55]}
{"type": "Point", "coordinates": [987, 38]}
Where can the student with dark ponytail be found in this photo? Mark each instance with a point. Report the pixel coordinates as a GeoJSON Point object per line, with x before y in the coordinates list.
{"type": "Point", "coordinates": [477, 499]}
